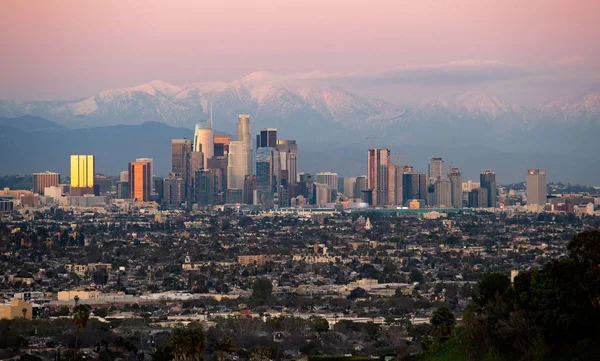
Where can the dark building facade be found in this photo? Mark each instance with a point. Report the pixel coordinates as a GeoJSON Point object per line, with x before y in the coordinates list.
{"type": "Point", "coordinates": [487, 181]}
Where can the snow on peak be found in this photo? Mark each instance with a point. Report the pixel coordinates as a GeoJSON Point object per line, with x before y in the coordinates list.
{"type": "Point", "coordinates": [475, 102]}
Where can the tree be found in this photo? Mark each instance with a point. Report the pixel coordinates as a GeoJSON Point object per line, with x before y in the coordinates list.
{"type": "Point", "coordinates": [24, 310]}
{"type": "Point", "coordinates": [260, 353]}
{"type": "Point", "coordinates": [188, 343]}
{"type": "Point", "coordinates": [584, 249]}
{"type": "Point", "coordinates": [491, 286]}
{"type": "Point", "coordinates": [443, 322]}
{"type": "Point", "coordinates": [161, 354]}
{"type": "Point", "coordinates": [81, 315]}
{"type": "Point", "coordinates": [261, 290]}
{"type": "Point", "coordinates": [319, 324]}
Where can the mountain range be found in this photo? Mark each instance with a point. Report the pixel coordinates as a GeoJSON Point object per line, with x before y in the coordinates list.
{"type": "Point", "coordinates": [328, 118]}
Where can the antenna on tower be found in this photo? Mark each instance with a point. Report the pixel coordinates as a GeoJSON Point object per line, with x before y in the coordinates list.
{"type": "Point", "coordinates": [371, 138]}
{"type": "Point", "coordinates": [211, 115]}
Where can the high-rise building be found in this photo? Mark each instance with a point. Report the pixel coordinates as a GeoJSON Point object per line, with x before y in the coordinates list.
{"type": "Point", "coordinates": [456, 187]}
{"type": "Point", "coordinates": [267, 138]}
{"type": "Point", "coordinates": [414, 186]}
{"type": "Point", "coordinates": [237, 164]}
{"type": "Point", "coordinates": [180, 153]}
{"type": "Point", "coordinates": [322, 193]}
{"type": "Point", "coordinates": [360, 185]}
{"type": "Point", "coordinates": [378, 162]}
{"type": "Point", "coordinates": [436, 169]}
{"type": "Point", "coordinates": [478, 198]}
{"type": "Point", "coordinates": [244, 134]}
{"type": "Point", "coordinates": [537, 189]}
{"type": "Point", "coordinates": [173, 190]}
{"type": "Point", "coordinates": [394, 184]}
{"type": "Point", "coordinates": [43, 180]}
{"type": "Point", "coordinates": [264, 176]}
{"type": "Point", "coordinates": [82, 174]}
{"type": "Point", "coordinates": [407, 168]}
{"type": "Point", "coordinates": [205, 187]}
{"type": "Point", "coordinates": [219, 165]}
{"type": "Point", "coordinates": [221, 142]}
{"type": "Point", "coordinates": [204, 140]}
{"type": "Point", "coordinates": [443, 192]}
{"type": "Point", "coordinates": [149, 160]}
{"type": "Point", "coordinates": [122, 190]}
{"type": "Point", "coordinates": [329, 178]}
{"type": "Point", "coordinates": [140, 181]}
{"type": "Point", "coordinates": [102, 183]}
{"type": "Point", "coordinates": [288, 157]}
{"type": "Point", "coordinates": [349, 184]}
{"type": "Point", "coordinates": [488, 181]}
{"type": "Point", "coordinates": [124, 176]}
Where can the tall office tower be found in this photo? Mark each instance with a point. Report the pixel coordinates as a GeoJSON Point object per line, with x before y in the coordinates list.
{"type": "Point", "coordinates": [123, 190]}
{"type": "Point", "coordinates": [488, 181]}
{"type": "Point", "coordinates": [329, 178]}
{"type": "Point", "coordinates": [159, 185]}
{"type": "Point", "coordinates": [378, 162]}
{"type": "Point", "coordinates": [349, 184]}
{"type": "Point", "coordinates": [414, 186]}
{"type": "Point", "coordinates": [124, 176]}
{"type": "Point", "coordinates": [221, 142]}
{"type": "Point", "coordinates": [478, 198]}
{"type": "Point", "coordinates": [140, 181]}
{"type": "Point", "coordinates": [180, 153]}
{"type": "Point", "coordinates": [264, 176]}
{"type": "Point", "coordinates": [82, 174]}
{"type": "Point", "coordinates": [102, 183]}
{"type": "Point", "coordinates": [322, 193]}
{"type": "Point", "coordinates": [443, 192]}
{"type": "Point", "coordinates": [360, 185]}
{"type": "Point", "coordinates": [394, 184]}
{"type": "Point", "coordinates": [173, 190]}
{"type": "Point", "coordinates": [244, 134]}
{"type": "Point", "coordinates": [204, 140]}
{"type": "Point", "coordinates": [249, 187]}
{"type": "Point", "coordinates": [267, 138]}
{"type": "Point", "coordinates": [237, 164]}
{"type": "Point", "coordinates": [436, 169]}
{"type": "Point", "coordinates": [205, 187]}
{"type": "Point", "coordinates": [283, 196]}
{"type": "Point", "coordinates": [151, 161]}
{"type": "Point", "coordinates": [407, 168]}
{"type": "Point", "coordinates": [456, 188]}
{"type": "Point", "coordinates": [537, 189]}
{"type": "Point", "coordinates": [219, 165]}
{"type": "Point", "coordinates": [43, 180]}
{"type": "Point", "coordinates": [195, 164]}
{"type": "Point", "coordinates": [288, 150]}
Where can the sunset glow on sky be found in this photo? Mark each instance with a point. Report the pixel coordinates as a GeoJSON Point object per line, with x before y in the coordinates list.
{"type": "Point", "coordinates": [69, 49]}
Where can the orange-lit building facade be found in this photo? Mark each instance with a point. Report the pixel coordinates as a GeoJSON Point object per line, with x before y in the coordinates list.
{"type": "Point", "coordinates": [140, 181]}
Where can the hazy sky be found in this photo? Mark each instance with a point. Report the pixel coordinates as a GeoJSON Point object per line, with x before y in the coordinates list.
{"type": "Point", "coordinates": [527, 50]}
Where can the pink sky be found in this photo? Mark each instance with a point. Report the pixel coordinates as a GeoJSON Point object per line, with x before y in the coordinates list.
{"type": "Point", "coordinates": [55, 49]}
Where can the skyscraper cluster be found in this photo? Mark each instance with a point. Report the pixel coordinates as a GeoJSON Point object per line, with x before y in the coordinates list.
{"type": "Point", "coordinates": [214, 169]}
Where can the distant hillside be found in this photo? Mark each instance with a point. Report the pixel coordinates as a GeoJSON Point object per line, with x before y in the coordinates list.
{"type": "Point", "coordinates": [44, 145]}
{"type": "Point", "coordinates": [30, 124]}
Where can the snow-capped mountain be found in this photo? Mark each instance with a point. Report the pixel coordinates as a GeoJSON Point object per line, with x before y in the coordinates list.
{"type": "Point", "coordinates": [310, 112]}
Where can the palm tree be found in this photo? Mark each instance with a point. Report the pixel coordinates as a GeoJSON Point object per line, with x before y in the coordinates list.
{"type": "Point", "coordinates": [225, 345]}
{"type": "Point", "coordinates": [188, 343]}
{"type": "Point", "coordinates": [24, 310]}
{"type": "Point", "coordinates": [81, 314]}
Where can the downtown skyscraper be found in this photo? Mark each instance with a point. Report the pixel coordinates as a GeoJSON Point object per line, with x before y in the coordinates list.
{"type": "Point", "coordinates": [82, 174]}
{"type": "Point", "coordinates": [537, 191]}
{"type": "Point", "coordinates": [378, 162]}
{"type": "Point", "coordinates": [140, 181]}
{"type": "Point", "coordinates": [204, 139]}
{"type": "Point", "coordinates": [487, 179]}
